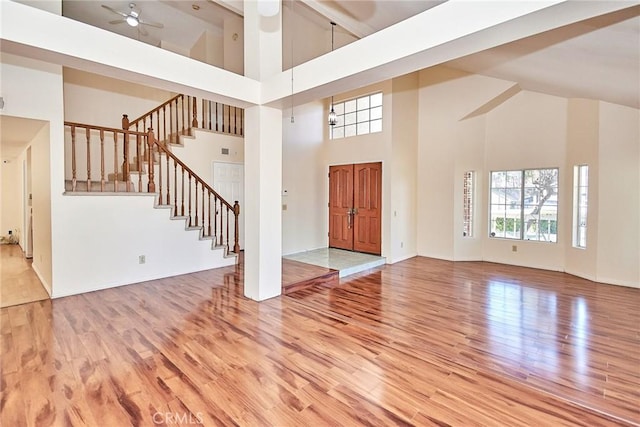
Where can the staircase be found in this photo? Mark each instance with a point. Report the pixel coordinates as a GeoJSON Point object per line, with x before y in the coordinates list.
{"type": "Point", "coordinates": [138, 159]}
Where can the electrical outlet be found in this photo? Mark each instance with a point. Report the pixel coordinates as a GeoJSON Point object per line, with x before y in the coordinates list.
{"type": "Point", "coordinates": [142, 259]}
{"type": "Point", "coordinates": [402, 244]}
{"type": "Point", "coordinates": [514, 248]}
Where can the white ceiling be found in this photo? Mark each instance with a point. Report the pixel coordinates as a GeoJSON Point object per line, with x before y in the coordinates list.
{"type": "Point", "coordinates": [598, 58]}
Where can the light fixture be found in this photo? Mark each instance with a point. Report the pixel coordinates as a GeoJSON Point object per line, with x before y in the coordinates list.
{"type": "Point", "coordinates": [132, 18]}
{"type": "Point", "coordinates": [333, 119]}
{"type": "Point", "coordinates": [268, 7]}
{"type": "Point", "coordinates": [132, 21]}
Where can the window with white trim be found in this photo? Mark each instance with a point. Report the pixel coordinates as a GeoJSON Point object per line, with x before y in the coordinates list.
{"type": "Point", "coordinates": [357, 116]}
{"type": "Point", "coordinates": [524, 205]}
{"type": "Point", "coordinates": [467, 204]}
{"type": "Point", "coordinates": [580, 203]}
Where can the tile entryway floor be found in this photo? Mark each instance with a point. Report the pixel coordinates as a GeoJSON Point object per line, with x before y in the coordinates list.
{"type": "Point", "coordinates": [346, 262]}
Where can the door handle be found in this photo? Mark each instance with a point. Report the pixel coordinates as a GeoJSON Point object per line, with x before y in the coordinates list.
{"type": "Point", "coordinates": [349, 213]}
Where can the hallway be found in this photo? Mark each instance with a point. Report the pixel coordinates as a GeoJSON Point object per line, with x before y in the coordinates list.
{"type": "Point", "coordinates": [19, 284]}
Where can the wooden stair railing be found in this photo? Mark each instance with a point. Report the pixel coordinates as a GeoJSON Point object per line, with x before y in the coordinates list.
{"type": "Point", "coordinates": [179, 115]}
{"type": "Point", "coordinates": [172, 118]}
{"type": "Point", "coordinates": [177, 185]}
{"type": "Point", "coordinates": [192, 197]}
{"type": "Point", "coordinates": [124, 147]}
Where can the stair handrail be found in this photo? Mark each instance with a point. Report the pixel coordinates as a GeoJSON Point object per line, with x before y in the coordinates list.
{"type": "Point", "coordinates": [129, 123]}
{"type": "Point", "coordinates": [235, 208]}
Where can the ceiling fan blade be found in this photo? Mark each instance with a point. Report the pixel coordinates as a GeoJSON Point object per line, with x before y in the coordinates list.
{"type": "Point", "coordinates": [151, 24]}
{"type": "Point", "coordinates": [115, 11]}
{"type": "Point", "coordinates": [118, 21]}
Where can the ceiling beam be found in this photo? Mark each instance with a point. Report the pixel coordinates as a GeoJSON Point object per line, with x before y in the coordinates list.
{"type": "Point", "coordinates": [355, 27]}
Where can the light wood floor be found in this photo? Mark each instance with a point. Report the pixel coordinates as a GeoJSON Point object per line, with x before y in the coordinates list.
{"type": "Point", "coordinates": [19, 284]}
{"type": "Point", "coordinates": [422, 342]}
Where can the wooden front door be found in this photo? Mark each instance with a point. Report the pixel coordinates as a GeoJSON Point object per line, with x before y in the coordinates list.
{"type": "Point", "coordinates": [355, 207]}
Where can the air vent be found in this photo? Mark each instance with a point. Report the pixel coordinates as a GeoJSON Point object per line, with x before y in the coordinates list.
{"type": "Point", "coordinates": [225, 151]}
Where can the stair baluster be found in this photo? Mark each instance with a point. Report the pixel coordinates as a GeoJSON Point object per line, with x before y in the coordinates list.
{"type": "Point", "coordinates": [88, 136]}
{"type": "Point", "coordinates": [115, 160]}
{"type": "Point", "coordinates": [182, 205]}
{"type": "Point", "coordinates": [102, 180]}
{"type": "Point", "coordinates": [196, 204]}
{"type": "Point", "coordinates": [73, 158]}
{"type": "Point", "coordinates": [194, 122]}
{"type": "Point", "coordinates": [209, 215]}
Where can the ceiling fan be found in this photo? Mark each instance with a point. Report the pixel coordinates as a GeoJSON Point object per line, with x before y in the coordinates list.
{"type": "Point", "coordinates": [132, 18]}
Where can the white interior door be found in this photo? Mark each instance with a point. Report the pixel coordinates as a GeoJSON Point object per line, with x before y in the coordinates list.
{"type": "Point", "coordinates": [228, 181]}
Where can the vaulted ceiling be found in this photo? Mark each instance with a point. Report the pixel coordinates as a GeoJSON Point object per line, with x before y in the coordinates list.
{"type": "Point", "coordinates": [598, 58]}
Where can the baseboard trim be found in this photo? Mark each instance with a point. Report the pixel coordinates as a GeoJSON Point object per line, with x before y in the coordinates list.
{"type": "Point", "coordinates": [46, 285]}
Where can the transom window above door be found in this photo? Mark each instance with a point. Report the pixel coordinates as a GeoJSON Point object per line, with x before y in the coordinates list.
{"type": "Point", "coordinates": [358, 116]}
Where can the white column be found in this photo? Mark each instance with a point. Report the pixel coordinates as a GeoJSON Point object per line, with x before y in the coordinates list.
{"type": "Point", "coordinates": [263, 161]}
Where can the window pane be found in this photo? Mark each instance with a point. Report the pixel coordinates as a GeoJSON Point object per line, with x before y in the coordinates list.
{"type": "Point", "coordinates": [339, 108]}
{"type": "Point", "coordinates": [350, 106]}
{"type": "Point", "coordinates": [339, 121]}
{"type": "Point", "coordinates": [513, 179]}
{"type": "Point", "coordinates": [376, 126]}
{"type": "Point", "coordinates": [497, 196]}
{"type": "Point", "coordinates": [363, 128]}
{"type": "Point", "coordinates": [376, 113]}
{"type": "Point", "coordinates": [497, 224]}
{"type": "Point", "coordinates": [338, 132]}
{"type": "Point", "coordinates": [363, 103]}
{"type": "Point", "coordinates": [363, 116]}
{"type": "Point", "coordinates": [350, 118]}
{"type": "Point", "coordinates": [376, 99]}
{"type": "Point", "coordinates": [350, 130]}
{"type": "Point", "coordinates": [498, 179]}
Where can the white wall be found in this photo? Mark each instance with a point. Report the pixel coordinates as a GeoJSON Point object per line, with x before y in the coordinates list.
{"type": "Point", "coordinates": [448, 146]}
{"type": "Point", "coordinates": [403, 168]}
{"type": "Point", "coordinates": [11, 198]}
{"type": "Point", "coordinates": [98, 100]}
{"type": "Point", "coordinates": [304, 176]}
{"type": "Point", "coordinates": [199, 152]}
{"type": "Point", "coordinates": [41, 207]}
{"type": "Point", "coordinates": [233, 45]}
{"type": "Point", "coordinates": [583, 140]}
{"type": "Point", "coordinates": [303, 39]}
{"type": "Point", "coordinates": [209, 49]}
{"type": "Point", "coordinates": [102, 249]}
{"type": "Point", "coordinates": [619, 195]}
